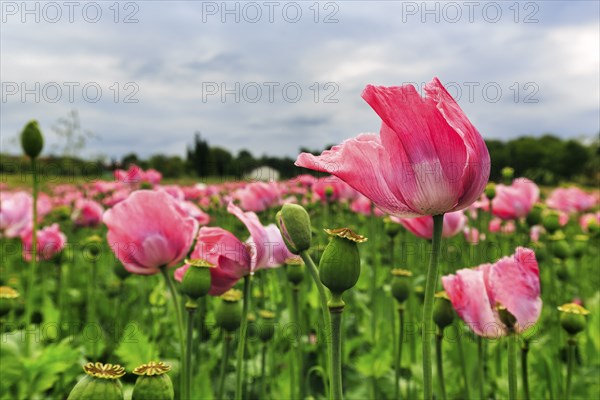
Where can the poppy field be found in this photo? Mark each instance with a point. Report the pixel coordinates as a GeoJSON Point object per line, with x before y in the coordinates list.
{"type": "Point", "coordinates": [392, 269]}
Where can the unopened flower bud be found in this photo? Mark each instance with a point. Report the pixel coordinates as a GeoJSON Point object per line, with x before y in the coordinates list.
{"type": "Point", "coordinates": [507, 175]}
{"type": "Point", "coordinates": [572, 318]}
{"type": "Point", "coordinates": [228, 314]}
{"type": "Point", "coordinates": [294, 224]}
{"type": "Point", "coordinates": [8, 298]}
{"type": "Point", "coordinates": [551, 221]}
{"type": "Point", "coordinates": [295, 271]}
{"type": "Point", "coordinates": [443, 312]}
{"type": "Point", "coordinates": [153, 382]}
{"type": "Point", "coordinates": [32, 140]}
{"type": "Point", "coordinates": [267, 325]}
{"type": "Point", "coordinates": [101, 382]}
{"type": "Point", "coordinates": [401, 284]}
{"type": "Point", "coordinates": [490, 190]}
{"type": "Point", "coordinates": [560, 247]}
{"type": "Point", "coordinates": [535, 215]}
{"type": "Point", "coordinates": [339, 267]}
{"type": "Point", "coordinates": [196, 280]}
{"type": "Point", "coordinates": [580, 245]}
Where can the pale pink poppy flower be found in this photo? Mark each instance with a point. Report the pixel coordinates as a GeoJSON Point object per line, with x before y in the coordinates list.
{"type": "Point", "coordinates": [472, 235]}
{"type": "Point", "coordinates": [570, 200]}
{"type": "Point", "coordinates": [195, 212]}
{"type": "Point", "coordinates": [422, 227]}
{"type": "Point", "coordinates": [497, 225]}
{"type": "Point", "coordinates": [87, 213]}
{"type": "Point", "coordinates": [257, 196]}
{"type": "Point", "coordinates": [133, 175]}
{"type": "Point", "coordinates": [588, 219]}
{"type": "Point", "coordinates": [512, 282]}
{"type": "Point", "coordinates": [515, 201]}
{"type": "Point", "coordinates": [428, 159]}
{"type": "Point", "coordinates": [149, 230]}
{"type": "Point", "coordinates": [535, 233]}
{"type": "Point", "coordinates": [151, 176]}
{"type": "Point", "coordinates": [15, 213]}
{"type": "Point", "coordinates": [50, 241]}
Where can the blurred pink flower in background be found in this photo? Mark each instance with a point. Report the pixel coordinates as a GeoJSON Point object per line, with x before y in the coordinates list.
{"type": "Point", "coordinates": [422, 227]}
{"type": "Point", "coordinates": [512, 282]}
{"type": "Point", "coordinates": [472, 235]}
{"type": "Point", "coordinates": [87, 213]}
{"type": "Point", "coordinates": [428, 159]}
{"type": "Point", "coordinates": [587, 219]}
{"type": "Point", "coordinates": [497, 225]}
{"type": "Point", "coordinates": [149, 230]}
{"type": "Point", "coordinates": [257, 196]}
{"type": "Point", "coordinates": [151, 176]}
{"type": "Point", "coordinates": [15, 213]}
{"type": "Point", "coordinates": [133, 175]}
{"type": "Point", "coordinates": [50, 241]}
{"type": "Point", "coordinates": [571, 200]}
{"type": "Point", "coordinates": [515, 201]}
{"type": "Point", "coordinates": [195, 212]}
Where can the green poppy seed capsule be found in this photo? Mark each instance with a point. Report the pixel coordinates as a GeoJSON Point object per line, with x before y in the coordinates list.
{"type": "Point", "coordinates": [401, 285]}
{"type": "Point", "coordinates": [535, 215]}
{"type": "Point", "coordinates": [490, 190]}
{"type": "Point", "coordinates": [580, 245]}
{"type": "Point", "coordinates": [267, 325]}
{"type": "Point", "coordinates": [561, 249]}
{"type": "Point", "coordinates": [572, 318]}
{"type": "Point", "coordinates": [32, 140]}
{"type": "Point", "coordinates": [196, 280]}
{"type": "Point", "coordinates": [8, 298]}
{"type": "Point", "coordinates": [551, 221]}
{"type": "Point", "coordinates": [120, 271]}
{"type": "Point", "coordinates": [506, 317]}
{"type": "Point", "coordinates": [507, 175]}
{"type": "Point", "coordinates": [391, 228]}
{"type": "Point", "coordinates": [339, 267]}
{"type": "Point", "coordinates": [101, 382]}
{"type": "Point", "coordinates": [594, 227]}
{"type": "Point", "coordinates": [153, 382]}
{"type": "Point", "coordinates": [562, 272]}
{"type": "Point", "coordinates": [228, 314]}
{"type": "Point", "coordinates": [443, 312]}
{"type": "Point", "coordinates": [294, 224]}
{"type": "Point", "coordinates": [295, 272]}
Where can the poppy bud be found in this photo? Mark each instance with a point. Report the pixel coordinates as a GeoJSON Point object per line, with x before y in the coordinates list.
{"type": "Point", "coordinates": [295, 271]}
{"type": "Point", "coordinates": [506, 317]}
{"type": "Point", "coordinates": [267, 326]}
{"type": "Point", "coordinates": [551, 221]}
{"type": "Point", "coordinates": [339, 267]}
{"type": "Point", "coordinates": [594, 227]}
{"type": "Point", "coordinates": [507, 175]}
{"type": "Point", "coordinates": [8, 298]}
{"type": "Point", "coordinates": [196, 280]}
{"type": "Point", "coordinates": [32, 140]}
{"type": "Point", "coordinates": [572, 318]}
{"type": "Point", "coordinates": [535, 215]}
{"type": "Point", "coordinates": [562, 273]}
{"type": "Point", "coordinates": [580, 245]}
{"type": "Point", "coordinates": [560, 247]}
{"type": "Point", "coordinates": [443, 312]}
{"type": "Point", "coordinates": [101, 382]}
{"type": "Point", "coordinates": [228, 314]}
{"type": "Point", "coordinates": [294, 224]}
{"type": "Point", "coordinates": [490, 190]}
{"type": "Point", "coordinates": [401, 284]}
{"type": "Point", "coordinates": [328, 192]}
{"type": "Point", "coordinates": [391, 228]}
{"type": "Point", "coordinates": [153, 383]}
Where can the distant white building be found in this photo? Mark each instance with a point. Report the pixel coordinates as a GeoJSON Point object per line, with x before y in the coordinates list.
{"type": "Point", "coordinates": [264, 173]}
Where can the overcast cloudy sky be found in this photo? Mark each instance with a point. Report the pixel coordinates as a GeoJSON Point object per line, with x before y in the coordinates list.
{"type": "Point", "coordinates": [273, 76]}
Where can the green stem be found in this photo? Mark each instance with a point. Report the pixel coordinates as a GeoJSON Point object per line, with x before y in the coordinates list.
{"type": "Point", "coordinates": [398, 361]}
{"type": "Point", "coordinates": [33, 263]}
{"type": "Point", "coordinates": [481, 368]}
{"type": "Point", "coordinates": [263, 371]}
{"type": "Point", "coordinates": [191, 309]}
{"type": "Point", "coordinates": [297, 344]}
{"type": "Point", "coordinates": [570, 359]}
{"type": "Point", "coordinates": [171, 287]}
{"type": "Point", "coordinates": [92, 306]}
{"type": "Point", "coordinates": [463, 365]}
{"type": "Point", "coordinates": [440, 365]}
{"type": "Point", "coordinates": [524, 369]}
{"type": "Point", "coordinates": [431, 283]}
{"type": "Point", "coordinates": [226, 349]}
{"type": "Point", "coordinates": [336, 353]}
{"type": "Point", "coordinates": [242, 342]}
{"type": "Point", "coordinates": [512, 366]}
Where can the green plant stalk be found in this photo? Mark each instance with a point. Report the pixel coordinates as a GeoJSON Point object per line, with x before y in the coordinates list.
{"type": "Point", "coordinates": [431, 283]}
{"type": "Point", "coordinates": [336, 354]}
{"type": "Point", "coordinates": [398, 361]}
{"type": "Point", "coordinates": [570, 360]}
{"type": "Point", "coordinates": [239, 373]}
{"type": "Point", "coordinates": [92, 305]}
{"type": "Point", "coordinates": [298, 344]}
{"type": "Point", "coordinates": [182, 384]}
{"type": "Point", "coordinates": [440, 363]}
{"type": "Point", "coordinates": [512, 366]}
{"type": "Point", "coordinates": [524, 369]}
{"type": "Point", "coordinates": [191, 309]}
{"type": "Point", "coordinates": [224, 359]}
{"type": "Point", "coordinates": [33, 263]}
{"type": "Point", "coordinates": [481, 357]}
{"type": "Point", "coordinates": [463, 366]}
{"type": "Point", "coordinates": [263, 371]}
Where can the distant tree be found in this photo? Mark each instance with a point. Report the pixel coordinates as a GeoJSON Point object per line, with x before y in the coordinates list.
{"type": "Point", "coordinates": [222, 161]}
{"type": "Point", "coordinates": [198, 156]}
{"type": "Point", "coordinates": [130, 158]}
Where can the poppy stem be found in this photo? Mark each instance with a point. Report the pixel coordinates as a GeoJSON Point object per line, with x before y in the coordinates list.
{"type": "Point", "coordinates": [524, 369]}
{"type": "Point", "coordinates": [190, 307]}
{"type": "Point", "coordinates": [297, 344]}
{"type": "Point", "coordinates": [398, 362]}
{"type": "Point", "coordinates": [512, 366]}
{"type": "Point", "coordinates": [480, 370]}
{"type": "Point", "coordinates": [440, 363]}
{"type": "Point", "coordinates": [171, 287]}
{"type": "Point", "coordinates": [570, 358]}
{"type": "Point", "coordinates": [33, 262]}
{"type": "Point", "coordinates": [224, 360]}
{"type": "Point", "coordinates": [430, 286]}
{"type": "Point", "coordinates": [463, 365]}
{"type": "Point", "coordinates": [242, 342]}
{"type": "Point", "coordinates": [335, 309]}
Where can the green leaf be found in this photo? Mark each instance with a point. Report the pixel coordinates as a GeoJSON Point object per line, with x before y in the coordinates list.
{"type": "Point", "coordinates": [134, 349]}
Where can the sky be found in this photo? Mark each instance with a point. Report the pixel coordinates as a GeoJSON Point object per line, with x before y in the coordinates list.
{"type": "Point", "coordinates": [274, 76]}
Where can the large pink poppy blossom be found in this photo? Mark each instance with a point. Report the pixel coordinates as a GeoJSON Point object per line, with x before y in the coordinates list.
{"type": "Point", "coordinates": [87, 213]}
{"type": "Point", "coordinates": [15, 213]}
{"type": "Point", "coordinates": [227, 253]}
{"type": "Point", "coordinates": [512, 282]}
{"type": "Point", "coordinates": [422, 227]}
{"type": "Point", "coordinates": [50, 241]}
{"type": "Point", "coordinates": [428, 159]}
{"type": "Point", "coordinates": [515, 201]}
{"type": "Point", "coordinates": [571, 200]}
{"type": "Point", "coordinates": [149, 230]}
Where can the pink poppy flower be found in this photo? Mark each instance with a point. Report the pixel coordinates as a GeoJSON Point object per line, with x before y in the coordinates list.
{"type": "Point", "coordinates": [422, 227]}
{"type": "Point", "coordinates": [87, 213]}
{"type": "Point", "coordinates": [512, 282]}
{"type": "Point", "coordinates": [132, 175]}
{"type": "Point", "coordinates": [227, 253]}
{"type": "Point", "coordinates": [428, 159]}
{"type": "Point", "coordinates": [571, 200]}
{"type": "Point", "coordinates": [50, 241]}
{"type": "Point", "coordinates": [472, 235]}
{"type": "Point", "coordinates": [149, 230]}
{"type": "Point", "coordinates": [151, 176]}
{"type": "Point", "coordinates": [588, 219]}
{"type": "Point", "coordinates": [535, 233]}
{"type": "Point", "coordinates": [15, 213]}
{"type": "Point", "coordinates": [515, 201]}
{"type": "Point", "coordinates": [195, 212]}
{"type": "Point", "coordinates": [497, 225]}
{"type": "Point", "coordinates": [257, 196]}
